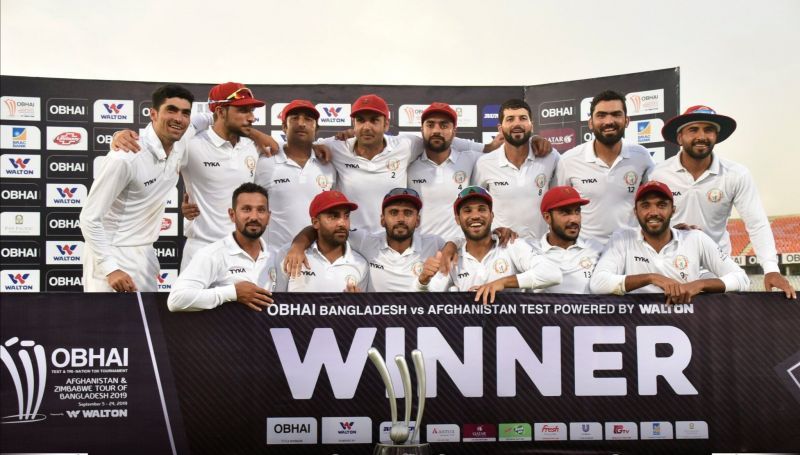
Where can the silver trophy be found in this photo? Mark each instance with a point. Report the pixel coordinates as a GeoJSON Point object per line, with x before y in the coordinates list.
{"type": "Point", "coordinates": [399, 433]}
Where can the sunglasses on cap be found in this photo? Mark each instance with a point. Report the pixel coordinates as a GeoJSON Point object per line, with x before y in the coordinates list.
{"type": "Point", "coordinates": [402, 192]}
{"type": "Point", "coordinates": [473, 190]}
{"type": "Point", "coordinates": [242, 93]}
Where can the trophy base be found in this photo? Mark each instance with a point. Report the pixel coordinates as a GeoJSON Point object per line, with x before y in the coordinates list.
{"type": "Point", "coordinates": [408, 449]}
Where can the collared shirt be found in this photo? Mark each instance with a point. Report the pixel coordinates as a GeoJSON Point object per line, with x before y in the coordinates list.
{"type": "Point", "coordinates": [212, 169]}
{"type": "Point", "coordinates": [514, 259]}
{"type": "Point", "coordinates": [610, 189]}
{"type": "Point", "coordinates": [291, 189]}
{"type": "Point", "coordinates": [390, 271]}
{"type": "Point", "coordinates": [125, 206]}
{"type": "Point", "coordinates": [210, 279]}
{"type": "Point", "coordinates": [681, 259]}
{"type": "Point", "coordinates": [576, 264]}
{"type": "Point", "coordinates": [324, 276]}
{"type": "Point", "coordinates": [438, 185]}
{"type": "Point", "coordinates": [516, 192]}
{"type": "Point", "coordinates": [708, 201]}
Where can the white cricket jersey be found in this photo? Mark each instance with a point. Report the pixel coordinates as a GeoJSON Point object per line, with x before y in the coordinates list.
{"type": "Point", "coordinates": [125, 205]}
{"type": "Point", "coordinates": [438, 187]}
{"type": "Point", "coordinates": [575, 264]}
{"type": "Point", "coordinates": [210, 278]}
{"type": "Point", "coordinates": [516, 193]}
{"type": "Point", "coordinates": [514, 259]}
{"type": "Point", "coordinates": [212, 169]}
{"type": "Point", "coordinates": [324, 276]}
{"type": "Point", "coordinates": [708, 201]}
{"type": "Point", "coordinates": [291, 189]}
{"type": "Point", "coordinates": [682, 259]}
{"type": "Point", "coordinates": [390, 271]}
{"type": "Point", "coordinates": [365, 182]}
{"type": "Point", "coordinates": [610, 190]}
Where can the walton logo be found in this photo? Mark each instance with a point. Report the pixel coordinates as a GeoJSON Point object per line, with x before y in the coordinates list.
{"type": "Point", "coordinates": [162, 277]}
{"type": "Point", "coordinates": [19, 163]}
{"type": "Point", "coordinates": [68, 193]}
{"type": "Point", "coordinates": [332, 111]}
{"type": "Point", "coordinates": [31, 358]}
{"type": "Point", "coordinates": [113, 108]}
{"type": "Point", "coordinates": [346, 425]}
{"type": "Point", "coordinates": [66, 249]}
{"type": "Point", "coordinates": [19, 278]}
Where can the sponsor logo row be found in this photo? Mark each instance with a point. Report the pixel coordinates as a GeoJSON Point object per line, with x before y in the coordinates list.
{"type": "Point", "coordinates": [358, 430]}
{"type": "Point", "coordinates": [28, 224]}
{"type": "Point", "coordinates": [64, 280]}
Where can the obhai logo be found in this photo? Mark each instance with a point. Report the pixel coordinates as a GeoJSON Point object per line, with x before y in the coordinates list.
{"type": "Point", "coordinates": [35, 369]}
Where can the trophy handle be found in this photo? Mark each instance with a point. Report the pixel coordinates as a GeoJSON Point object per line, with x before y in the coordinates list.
{"type": "Point", "coordinates": [405, 375]}
{"type": "Point", "coordinates": [377, 360]}
{"type": "Point", "coordinates": [419, 369]}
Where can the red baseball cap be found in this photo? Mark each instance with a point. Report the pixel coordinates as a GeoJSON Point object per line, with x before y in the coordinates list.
{"type": "Point", "coordinates": [471, 192]}
{"type": "Point", "coordinates": [372, 103]}
{"type": "Point", "coordinates": [232, 94]}
{"type": "Point", "coordinates": [440, 108]}
{"type": "Point", "coordinates": [654, 187]}
{"type": "Point", "coordinates": [300, 104]}
{"type": "Point", "coordinates": [561, 196]}
{"type": "Point", "coordinates": [402, 194]}
{"type": "Point", "coordinates": [327, 200]}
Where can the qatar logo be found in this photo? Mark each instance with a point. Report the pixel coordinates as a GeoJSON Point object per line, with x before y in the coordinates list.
{"type": "Point", "coordinates": [33, 363]}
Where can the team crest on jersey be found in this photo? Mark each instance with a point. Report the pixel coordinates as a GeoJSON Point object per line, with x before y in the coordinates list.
{"type": "Point", "coordinates": [416, 268]}
{"type": "Point", "coordinates": [460, 177]}
{"type": "Point", "coordinates": [586, 263]}
{"type": "Point", "coordinates": [714, 195]}
{"type": "Point", "coordinates": [500, 266]}
{"type": "Point", "coordinates": [350, 280]}
{"type": "Point", "coordinates": [681, 262]}
{"type": "Point", "coordinates": [393, 165]}
{"type": "Point", "coordinates": [322, 182]}
{"type": "Point", "coordinates": [631, 178]}
{"type": "Point", "coordinates": [273, 274]}
{"type": "Point", "coordinates": [250, 162]}
{"type": "Point", "coordinates": [541, 181]}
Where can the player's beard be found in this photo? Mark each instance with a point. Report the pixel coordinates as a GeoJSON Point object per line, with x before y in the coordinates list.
{"type": "Point", "coordinates": [252, 234]}
{"type": "Point", "coordinates": [442, 146]}
{"type": "Point", "coordinates": [699, 155]}
{"type": "Point", "coordinates": [657, 231]}
{"type": "Point", "coordinates": [561, 232]}
{"type": "Point", "coordinates": [391, 233]}
{"type": "Point", "coordinates": [517, 142]}
{"type": "Point", "coordinates": [609, 140]}
{"type": "Point", "coordinates": [331, 238]}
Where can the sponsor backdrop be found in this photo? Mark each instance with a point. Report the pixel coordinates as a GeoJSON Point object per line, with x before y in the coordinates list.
{"type": "Point", "coordinates": [54, 132]}
{"type": "Point", "coordinates": [569, 374]}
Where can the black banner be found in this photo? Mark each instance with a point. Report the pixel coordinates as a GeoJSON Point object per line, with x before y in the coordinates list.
{"type": "Point", "coordinates": [582, 374]}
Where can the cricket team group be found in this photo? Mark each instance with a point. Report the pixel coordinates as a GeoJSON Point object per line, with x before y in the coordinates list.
{"type": "Point", "coordinates": [366, 211]}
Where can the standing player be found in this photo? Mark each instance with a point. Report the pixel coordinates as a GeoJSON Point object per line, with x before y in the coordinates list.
{"type": "Point", "coordinates": [481, 259]}
{"type": "Point", "coordinates": [707, 187]}
{"type": "Point", "coordinates": [441, 171]}
{"type": "Point", "coordinates": [396, 256]}
{"type": "Point", "coordinates": [235, 268]}
{"type": "Point", "coordinates": [220, 159]}
{"type": "Point", "coordinates": [123, 212]}
{"type": "Point", "coordinates": [333, 266]}
{"type": "Point", "coordinates": [606, 170]}
{"type": "Point", "coordinates": [514, 175]}
{"type": "Point", "coordinates": [657, 258]}
{"type": "Point", "coordinates": [293, 176]}
{"type": "Point", "coordinates": [562, 249]}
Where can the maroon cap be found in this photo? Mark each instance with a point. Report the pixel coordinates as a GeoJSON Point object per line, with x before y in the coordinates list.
{"type": "Point", "coordinates": [471, 192]}
{"type": "Point", "coordinates": [232, 94]}
{"type": "Point", "coordinates": [724, 124]}
{"type": "Point", "coordinates": [327, 200]}
{"type": "Point", "coordinates": [654, 187]}
{"type": "Point", "coordinates": [299, 104]}
{"type": "Point", "coordinates": [440, 108]}
{"type": "Point", "coordinates": [561, 196]}
{"type": "Point", "coordinates": [372, 103]}
{"type": "Point", "coordinates": [402, 194]}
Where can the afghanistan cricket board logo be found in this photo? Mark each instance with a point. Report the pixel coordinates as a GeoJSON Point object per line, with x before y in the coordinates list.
{"type": "Point", "coordinates": [714, 195]}
{"type": "Point", "coordinates": [500, 265]}
{"type": "Point", "coordinates": [631, 178]}
{"type": "Point", "coordinates": [416, 268]}
{"type": "Point", "coordinates": [681, 262]}
{"type": "Point", "coordinates": [250, 162]}
{"type": "Point", "coordinates": [322, 182]}
{"type": "Point", "coordinates": [541, 181]}
{"type": "Point", "coordinates": [586, 263]}
{"type": "Point", "coordinates": [460, 177]}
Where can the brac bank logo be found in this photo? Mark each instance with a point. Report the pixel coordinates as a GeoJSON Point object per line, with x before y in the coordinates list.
{"type": "Point", "coordinates": [33, 363]}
